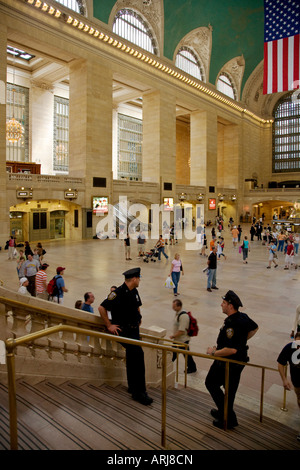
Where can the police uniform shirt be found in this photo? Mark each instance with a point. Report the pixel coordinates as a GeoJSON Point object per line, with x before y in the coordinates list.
{"type": "Point", "coordinates": [123, 304]}
{"type": "Point", "coordinates": [291, 354]}
{"type": "Point", "coordinates": [234, 335]}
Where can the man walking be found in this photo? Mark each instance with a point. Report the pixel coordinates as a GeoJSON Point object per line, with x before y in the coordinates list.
{"type": "Point", "coordinates": [212, 270]}
{"type": "Point", "coordinates": [180, 329]}
{"type": "Point", "coordinates": [238, 328]}
{"type": "Point", "coordinates": [60, 288]}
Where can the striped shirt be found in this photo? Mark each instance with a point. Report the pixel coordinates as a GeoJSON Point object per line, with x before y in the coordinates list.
{"type": "Point", "coordinates": [40, 281]}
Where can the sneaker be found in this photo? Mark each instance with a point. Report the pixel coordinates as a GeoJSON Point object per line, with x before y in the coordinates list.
{"type": "Point", "coordinates": [215, 287]}
{"type": "Point", "coordinates": [209, 289]}
{"type": "Point", "coordinates": [268, 267]}
{"type": "Point", "coordinates": [276, 265]}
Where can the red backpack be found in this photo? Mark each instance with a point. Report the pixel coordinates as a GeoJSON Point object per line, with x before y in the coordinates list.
{"type": "Point", "coordinates": [193, 328]}
{"type": "Point", "coordinates": [52, 287]}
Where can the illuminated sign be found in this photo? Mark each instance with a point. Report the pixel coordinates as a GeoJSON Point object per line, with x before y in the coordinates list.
{"type": "Point", "coordinates": [212, 203]}
{"type": "Point", "coordinates": [168, 203]}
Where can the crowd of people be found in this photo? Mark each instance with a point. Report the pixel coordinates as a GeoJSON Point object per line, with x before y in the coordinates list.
{"type": "Point", "coordinates": [121, 314]}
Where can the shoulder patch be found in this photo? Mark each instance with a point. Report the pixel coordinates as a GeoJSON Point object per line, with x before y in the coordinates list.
{"type": "Point", "coordinates": [229, 333]}
{"type": "Point", "coordinates": [112, 296]}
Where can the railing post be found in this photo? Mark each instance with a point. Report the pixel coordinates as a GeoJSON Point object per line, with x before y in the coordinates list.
{"type": "Point", "coordinates": [226, 395]}
{"type": "Point", "coordinates": [284, 408]}
{"type": "Point", "coordinates": [262, 394]}
{"type": "Point", "coordinates": [164, 398]}
{"type": "Point", "coordinates": [12, 396]}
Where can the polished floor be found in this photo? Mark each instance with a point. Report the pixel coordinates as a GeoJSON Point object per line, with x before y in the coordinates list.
{"type": "Point", "coordinates": [269, 296]}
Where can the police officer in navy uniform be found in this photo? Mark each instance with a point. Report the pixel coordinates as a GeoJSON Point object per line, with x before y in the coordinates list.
{"type": "Point", "coordinates": [232, 344]}
{"type": "Point", "coordinates": [124, 305]}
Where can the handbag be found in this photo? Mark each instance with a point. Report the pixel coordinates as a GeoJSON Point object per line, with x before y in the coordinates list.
{"type": "Point", "coordinates": [240, 249]}
{"type": "Point", "coordinates": [169, 284]}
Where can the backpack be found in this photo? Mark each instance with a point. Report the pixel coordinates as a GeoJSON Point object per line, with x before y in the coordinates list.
{"type": "Point", "coordinates": [52, 288]}
{"type": "Point", "coordinates": [193, 328]}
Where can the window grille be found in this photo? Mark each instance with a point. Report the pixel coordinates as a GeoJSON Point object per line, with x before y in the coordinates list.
{"type": "Point", "coordinates": [187, 61]}
{"type": "Point", "coordinates": [286, 134]}
{"type": "Point", "coordinates": [61, 134]}
{"type": "Point", "coordinates": [129, 25]}
{"type": "Point", "coordinates": [130, 133]}
{"type": "Point", "coordinates": [17, 106]}
{"type": "Point", "coordinates": [225, 85]}
{"type": "Point", "coordinates": [72, 5]}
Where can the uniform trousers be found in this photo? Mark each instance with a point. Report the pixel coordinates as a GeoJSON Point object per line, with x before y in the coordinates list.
{"type": "Point", "coordinates": [135, 363]}
{"type": "Point", "coordinates": [215, 379]}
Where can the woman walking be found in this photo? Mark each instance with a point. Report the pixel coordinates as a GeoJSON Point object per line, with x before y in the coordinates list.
{"type": "Point", "coordinates": [176, 268]}
{"type": "Point", "coordinates": [246, 249]}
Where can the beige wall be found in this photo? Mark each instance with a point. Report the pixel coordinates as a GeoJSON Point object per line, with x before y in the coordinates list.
{"type": "Point", "coordinates": [182, 153]}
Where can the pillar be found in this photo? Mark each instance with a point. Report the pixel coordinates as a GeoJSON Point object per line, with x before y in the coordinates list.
{"type": "Point", "coordinates": [159, 140]}
{"type": "Point", "coordinates": [4, 210]}
{"type": "Point", "coordinates": [91, 125]}
{"type": "Point", "coordinates": [204, 149]}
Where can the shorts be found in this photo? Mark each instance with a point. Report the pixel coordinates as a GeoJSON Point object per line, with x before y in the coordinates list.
{"type": "Point", "coordinates": [289, 259]}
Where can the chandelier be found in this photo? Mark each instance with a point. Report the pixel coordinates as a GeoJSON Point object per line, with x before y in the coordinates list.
{"type": "Point", "coordinates": [14, 129]}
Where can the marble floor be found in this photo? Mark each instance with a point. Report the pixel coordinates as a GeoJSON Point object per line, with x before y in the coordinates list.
{"type": "Point", "coordinates": [269, 296]}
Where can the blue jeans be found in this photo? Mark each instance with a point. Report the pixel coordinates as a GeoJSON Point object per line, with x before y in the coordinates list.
{"type": "Point", "coordinates": [212, 278]}
{"type": "Point", "coordinates": [175, 279]}
{"type": "Point", "coordinates": [296, 246]}
{"type": "Point", "coordinates": [280, 245]}
{"type": "Point", "coordinates": [162, 250]}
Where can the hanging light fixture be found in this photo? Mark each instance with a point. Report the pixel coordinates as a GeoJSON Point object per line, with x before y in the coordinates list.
{"type": "Point", "coordinates": [14, 129]}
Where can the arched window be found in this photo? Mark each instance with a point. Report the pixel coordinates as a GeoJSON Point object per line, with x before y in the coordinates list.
{"type": "Point", "coordinates": [286, 134]}
{"type": "Point", "coordinates": [187, 61]}
{"type": "Point", "coordinates": [225, 85]}
{"type": "Point", "coordinates": [131, 26]}
{"type": "Point", "coordinates": [75, 5]}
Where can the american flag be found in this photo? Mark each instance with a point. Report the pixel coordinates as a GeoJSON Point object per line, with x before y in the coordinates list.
{"type": "Point", "coordinates": [281, 45]}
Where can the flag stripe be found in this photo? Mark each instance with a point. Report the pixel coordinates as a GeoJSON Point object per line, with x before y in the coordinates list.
{"type": "Point", "coordinates": [281, 45]}
{"type": "Point", "coordinates": [266, 65]}
{"type": "Point", "coordinates": [285, 58]}
{"type": "Point", "coordinates": [281, 64]}
{"type": "Point", "coordinates": [296, 61]}
{"type": "Point", "coordinates": [275, 69]}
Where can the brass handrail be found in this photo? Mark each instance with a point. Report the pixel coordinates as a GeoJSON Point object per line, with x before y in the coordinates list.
{"type": "Point", "coordinates": [12, 343]}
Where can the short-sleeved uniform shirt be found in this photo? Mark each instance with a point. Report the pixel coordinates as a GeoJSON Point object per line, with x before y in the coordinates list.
{"type": "Point", "coordinates": [291, 354]}
{"type": "Point", "coordinates": [124, 304]}
{"type": "Point", "coordinates": [234, 333]}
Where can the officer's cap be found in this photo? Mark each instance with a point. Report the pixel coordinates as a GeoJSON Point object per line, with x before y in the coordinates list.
{"type": "Point", "coordinates": [233, 299]}
{"type": "Point", "coordinates": [134, 272]}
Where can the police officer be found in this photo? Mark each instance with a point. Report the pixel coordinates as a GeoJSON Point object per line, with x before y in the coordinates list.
{"type": "Point", "coordinates": [124, 305]}
{"type": "Point", "coordinates": [232, 344]}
